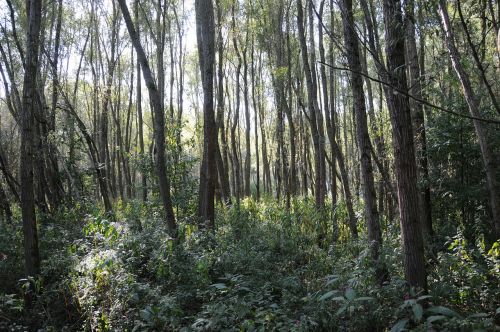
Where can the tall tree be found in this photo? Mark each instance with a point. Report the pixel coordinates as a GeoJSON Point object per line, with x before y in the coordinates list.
{"type": "Point", "coordinates": [473, 104]}
{"type": "Point", "coordinates": [205, 32]}
{"type": "Point", "coordinates": [248, 160]}
{"type": "Point", "coordinates": [159, 119]}
{"type": "Point", "coordinates": [362, 136]}
{"type": "Point", "coordinates": [30, 102]}
{"type": "Point", "coordinates": [140, 122]}
{"type": "Point", "coordinates": [417, 114]}
{"type": "Point", "coordinates": [222, 162]}
{"type": "Point", "coordinates": [313, 107]}
{"type": "Point", "coordinates": [404, 152]}
{"type": "Point", "coordinates": [234, 151]}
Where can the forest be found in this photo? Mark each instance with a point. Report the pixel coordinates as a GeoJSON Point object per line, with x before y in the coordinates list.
{"type": "Point", "coordinates": [249, 165]}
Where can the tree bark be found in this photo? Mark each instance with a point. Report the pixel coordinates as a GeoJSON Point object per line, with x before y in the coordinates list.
{"type": "Point", "coordinates": [473, 104]}
{"type": "Point", "coordinates": [362, 136]}
{"type": "Point", "coordinates": [29, 103]}
{"type": "Point", "coordinates": [248, 160]}
{"type": "Point", "coordinates": [222, 163]}
{"type": "Point", "coordinates": [140, 124]}
{"type": "Point", "coordinates": [417, 114]}
{"type": "Point", "coordinates": [234, 151]}
{"type": "Point", "coordinates": [159, 119]}
{"type": "Point", "coordinates": [404, 153]}
{"type": "Point", "coordinates": [313, 108]}
{"type": "Point", "coordinates": [205, 31]}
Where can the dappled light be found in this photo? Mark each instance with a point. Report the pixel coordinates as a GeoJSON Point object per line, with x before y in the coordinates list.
{"type": "Point", "coordinates": [241, 165]}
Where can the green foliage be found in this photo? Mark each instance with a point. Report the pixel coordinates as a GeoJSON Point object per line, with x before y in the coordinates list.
{"type": "Point", "coordinates": [262, 269]}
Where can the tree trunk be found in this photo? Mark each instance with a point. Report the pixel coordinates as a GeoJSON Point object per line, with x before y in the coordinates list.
{"type": "Point", "coordinates": [222, 163]}
{"type": "Point", "coordinates": [234, 150]}
{"type": "Point", "coordinates": [159, 119]}
{"type": "Point", "coordinates": [205, 31]}
{"type": "Point", "coordinates": [140, 123]}
{"type": "Point", "coordinates": [289, 113]}
{"type": "Point", "coordinates": [5, 205]}
{"type": "Point", "coordinates": [404, 155]}
{"type": "Point", "coordinates": [248, 160]}
{"type": "Point", "coordinates": [256, 124]}
{"type": "Point", "coordinates": [29, 103]}
{"type": "Point", "coordinates": [473, 104]}
{"type": "Point", "coordinates": [313, 108]}
{"type": "Point", "coordinates": [417, 114]}
{"type": "Point", "coordinates": [331, 127]}
{"type": "Point", "coordinates": [362, 136]}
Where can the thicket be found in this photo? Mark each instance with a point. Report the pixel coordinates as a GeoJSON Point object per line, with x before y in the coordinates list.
{"type": "Point", "coordinates": [263, 268]}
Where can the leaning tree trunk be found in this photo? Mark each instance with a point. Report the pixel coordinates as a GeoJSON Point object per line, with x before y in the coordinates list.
{"type": "Point", "coordinates": [140, 124]}
{"type": "Point", "coordinates": [473, 104]}
{"type": "Point", "coordinates": [313, 108]}
{"type": "Point", "coordinates": [362, 136]}
{"type": "Point", "coordinates": [159, 119]}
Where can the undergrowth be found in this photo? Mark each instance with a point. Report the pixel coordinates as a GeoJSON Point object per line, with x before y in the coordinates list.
{"type": "Point", "coordinates": [262, 269]}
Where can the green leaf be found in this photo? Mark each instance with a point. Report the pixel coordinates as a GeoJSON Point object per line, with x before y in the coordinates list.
{"type": "Point", "coordinates": [327, 295]}
{"type": "Point", "coordinates": [479, 315]}
{"type": "Point", "coordinates": [364, 298]}
{"type": "Point", "coordinates": [350, 294]}
{"type": "Point", "coordinates": [341, 310]}
{"type": "Point", "coordinates": [423, 297]}
{"type": "Point", "coordinates": [417, 311]}
{"type": "Point", "coordinates": [219, 286]}
{"type": "Point", "coordinates": [145, 315]}
{"type": "Point", "coordinates": [400, 325]}
{"type": "Point", "coordinates": [339, 298]}
{"type": "Point", "coordinates": [443, 311]}
{"type": "Point", "coordinates": [432, 319]}
{"type": "Point", "coordinates": [331, 280]}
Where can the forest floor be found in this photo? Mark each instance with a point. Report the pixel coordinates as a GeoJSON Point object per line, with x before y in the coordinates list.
{"type": "Point", "coordinates": [262, 269]}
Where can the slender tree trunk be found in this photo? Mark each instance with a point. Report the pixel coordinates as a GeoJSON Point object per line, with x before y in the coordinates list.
{"type": "Point", "coordinates": [159, 119]}
{"type": "Point", "coordinates": [54, 180]}
{"type": "Point", "coordinates": [104, 157]}
{"type": "Point", "coordinates": [180, 92]}
{"type": "Point", "coordinates": [128, 132]}
{"type": "Point", "coordinates": [362, 136]}
{"type": "Point", "coordinates": [265, 159]}
{"type": "Point", "coordinates": [234, 150]}
{"type": "Point", "coordinates": [417, 114]}
{"type": "Point", "coordinates": [313, 109]}
{"type": "Point", "coordinates": [222, 163]}
{"type": "Point", "coordinates": [329, 106]}
{"type": "Point", "coordinates": [5, 205]}
{"type": "Point", "coordinates": [473, 104]}
{"type": "Point", "coordinates": [331, 127]}
{"type": "Point", "coordinates": [289, 112]}
{"type": "Point", "coordinates": [144, 183]}
{"type": "Point", "coordinates": [477, 59]}
{"type": "Point", "coordinates": [256, 123]}
{"type": "Point", "coordinates": [248, 160]}
{"type": "Point", "coordinates": [404, 155]}
{"type": "Point", "coordinates": [29, 103]}
{"type": "Point", "coordinates": [205, 30]}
